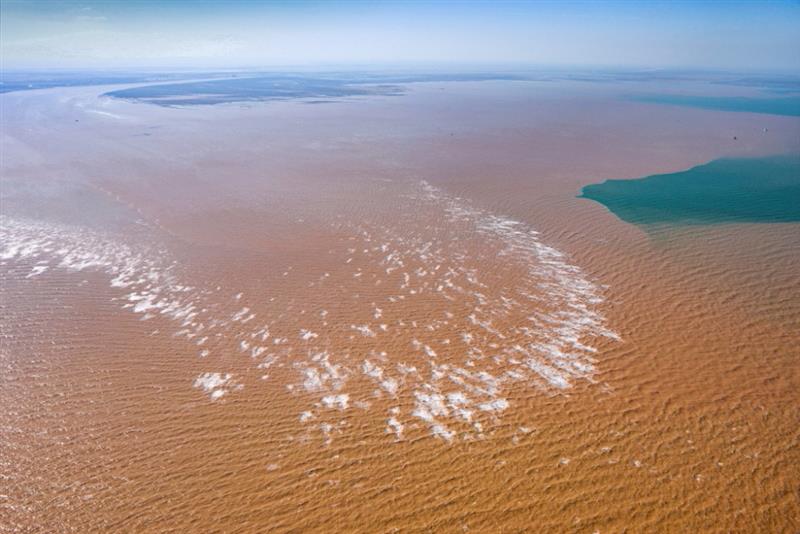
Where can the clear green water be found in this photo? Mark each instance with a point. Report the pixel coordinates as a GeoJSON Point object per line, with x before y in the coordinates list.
{"type": "Point", "coordinates": [785, 105]}
{"type": "Point", "coordinates": [754, 190]}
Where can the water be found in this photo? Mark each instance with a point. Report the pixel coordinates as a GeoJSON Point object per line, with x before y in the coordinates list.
{"type": "Point", "coordinates": [12, 80]}
{"type": "Point", "coordinates": [261, 87]}
{"type": "Point", "coordinates": [784, 105]}
{"type": "Point", "coordinates": [255, 315]}
{"type": "Point", "coordinates": [757, 190]}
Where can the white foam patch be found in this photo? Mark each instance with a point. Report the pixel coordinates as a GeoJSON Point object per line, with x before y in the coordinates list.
{"type": "Point", "coordinates": [390, 386]}
{"type": "Point", "coordinates": [336, 401]}
{"type": "Point", "coordinates": [306, 416]}
{"type": "Point", "coordinates": [214, 384]}
{"type": "Point", "coordinates": [496, 405]}
{"type": "Point", "coordinates": [441, 431]}
{"type": "Point", "coordinates": [313, 381]}
{"type": "Point", "coordinates": [37, 270]}
{"type": "Point", "coordinates": [395, 427]}
{"type": "Point", "coordinates": [365, 330]}
{"type": "Point", "coordinates": [307, 335]}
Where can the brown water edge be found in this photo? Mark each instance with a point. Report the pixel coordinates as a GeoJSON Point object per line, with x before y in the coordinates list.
{"type": "Point", "coordinates": [691, 426]}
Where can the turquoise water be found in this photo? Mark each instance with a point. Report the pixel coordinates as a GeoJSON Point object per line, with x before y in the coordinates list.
{"type": "Point", "coordinates": [786, 105]}
{"type": "Point", "coordinates": [755, 190]}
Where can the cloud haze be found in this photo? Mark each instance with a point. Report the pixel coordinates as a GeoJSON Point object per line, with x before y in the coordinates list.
{"type": "Point", "coordinates": [739, 35]}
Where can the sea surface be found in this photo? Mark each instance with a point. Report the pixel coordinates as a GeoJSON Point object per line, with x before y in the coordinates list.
{"type": "Point", "coordinates": [774, 105]}
{"type": "Point", "coordinates": [751, 190]}
{"type": "Point", "coordinates": [244, 313]}
{"type": "Point", "coordinates": [315, 88]}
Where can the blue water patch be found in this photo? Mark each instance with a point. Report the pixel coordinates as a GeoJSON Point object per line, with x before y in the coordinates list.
{"type": "Point", "coordinates": [783, 105]}
{"type": "Point", "coordinates": [751, 190]}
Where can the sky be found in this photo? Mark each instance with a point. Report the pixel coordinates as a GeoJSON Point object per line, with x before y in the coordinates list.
{"type": "Point", "coordinates": [742, 35]}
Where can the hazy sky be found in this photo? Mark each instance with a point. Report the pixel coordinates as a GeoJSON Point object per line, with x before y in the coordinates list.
{"type": "Point", "coordinates": [236, 33]}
